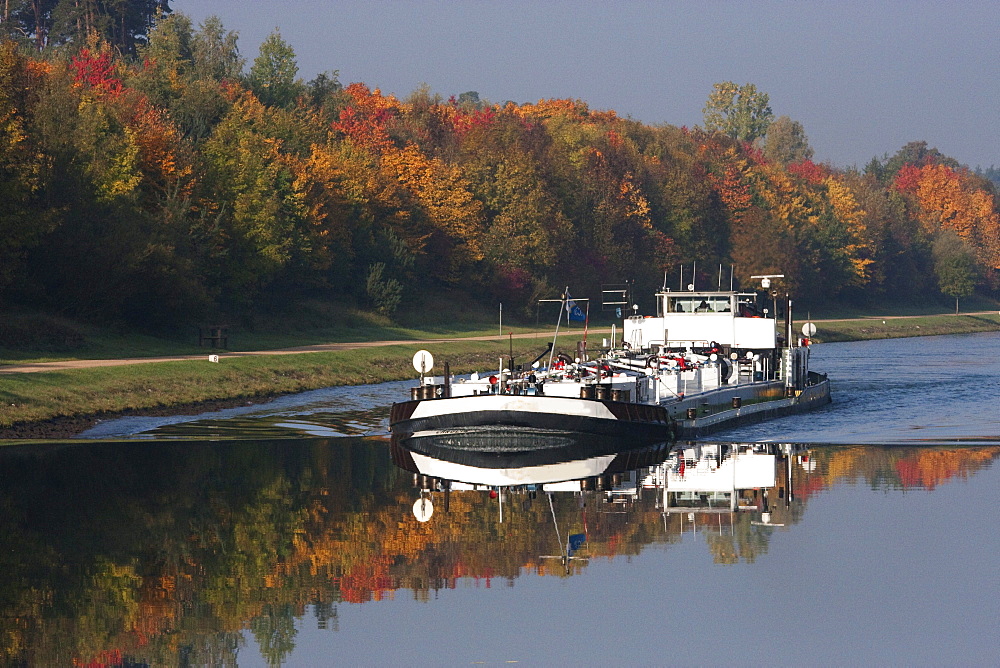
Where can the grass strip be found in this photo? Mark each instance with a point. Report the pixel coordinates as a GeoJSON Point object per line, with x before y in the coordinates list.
{"type": "Point", "coordinates": [35, 397]}
{"type": "Point", "coordinates": [864, 329]}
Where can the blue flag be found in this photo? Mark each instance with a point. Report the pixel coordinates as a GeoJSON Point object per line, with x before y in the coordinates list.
{"type": "Point", "coordinates": [576, 541]}
{"type": "Point", "coordinates": [573, 310]}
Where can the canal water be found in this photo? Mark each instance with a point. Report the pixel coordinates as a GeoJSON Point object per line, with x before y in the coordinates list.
{"type": "Point", "coordinates": [297, 533]}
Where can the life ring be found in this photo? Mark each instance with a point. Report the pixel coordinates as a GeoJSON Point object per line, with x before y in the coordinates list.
{"type": "Point", "coordinates": [726, 368]}
{"type": "Point", "coordinates": [653, 362]}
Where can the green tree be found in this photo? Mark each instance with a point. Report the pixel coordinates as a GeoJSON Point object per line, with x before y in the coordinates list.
{"type": "Point", "coordinates": [215, 52]}
{"type": "Point", "coordinates": [786, 142]}
{"type": "Point", "coordinates": [323, 87]}
{"type": "Point", "coordinates": [272, 75]}
{"type": "Point", "coordinates": [383, 293]}
{"type": "Point", "coordinates": [166, 58]}
{"type": "Point", "coordinates": [275, 632]}
{"type": "Point", "coordinates": [741, 112]}
{"type": "Point", "coordinates": [470, 100]}
{"type": "Point", "coordinates": [955, 266]}
{"type": "Point", "coordinates": [254, 196]}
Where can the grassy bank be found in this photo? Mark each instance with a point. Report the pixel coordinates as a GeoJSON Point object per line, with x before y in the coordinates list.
{"type": "Point", "coordinates": [34, 397]}
{"type": "Point", "coordinates": [29, 338]}
{"type": "Point", "coordinates": [894, 327]}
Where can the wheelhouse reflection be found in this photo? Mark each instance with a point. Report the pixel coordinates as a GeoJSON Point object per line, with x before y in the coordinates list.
{"type": "Point", "coordinates": [682, 481]}
{"type": "Point", "coordinates": [723, 477]}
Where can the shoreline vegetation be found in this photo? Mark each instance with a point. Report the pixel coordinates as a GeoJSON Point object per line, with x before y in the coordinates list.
{"type": "Point", "coordinates": [154, 179]}
{"type": "Point", "coordinates": [65, 402]}
{"type": "Point", "coordinates": [159, 179]}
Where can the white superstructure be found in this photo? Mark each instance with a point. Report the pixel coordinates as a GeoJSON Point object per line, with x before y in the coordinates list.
{"type": "Point", "coordinates": [702, 320]}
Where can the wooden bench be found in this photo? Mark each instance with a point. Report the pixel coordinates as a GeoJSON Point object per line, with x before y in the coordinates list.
{"type": "Point", "coordinates": [216, 335]}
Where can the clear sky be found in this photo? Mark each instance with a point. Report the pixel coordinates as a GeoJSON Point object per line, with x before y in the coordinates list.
{"type": "Point", "coordinates": [864, 78]}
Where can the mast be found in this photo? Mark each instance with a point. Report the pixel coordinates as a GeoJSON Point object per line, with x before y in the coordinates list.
{"type": "Point", "coordinates": [558, 322]}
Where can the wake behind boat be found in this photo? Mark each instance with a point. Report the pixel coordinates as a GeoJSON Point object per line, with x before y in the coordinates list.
{"type": "Point", "coordinates": [707, 360]}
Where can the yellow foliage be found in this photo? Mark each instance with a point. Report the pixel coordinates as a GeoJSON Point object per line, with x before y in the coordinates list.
{"type": "Point", "coordinates": [122, 175]}
{"type": "Point", "coordinates": [442, 191]}
{"type": "Point", "coordinates": [949, 200]}
{"type": "Point", "coordinates": [636, 204]}
{"type": "Point", "coordinates": [847, 210]}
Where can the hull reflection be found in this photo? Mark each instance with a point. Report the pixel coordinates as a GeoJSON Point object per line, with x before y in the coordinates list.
{"type": "Point", "coordinates": [520, 457]}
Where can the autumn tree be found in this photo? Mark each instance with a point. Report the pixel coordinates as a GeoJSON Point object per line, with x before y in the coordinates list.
{"type": "Point", "coordinates": [25, 217]}
{"type": "Point", "coordinates": [915, 153]}
{"type": "Point", "coordinates": [443, 222]}
{"type": "Point", "coordinates": [955, 199]}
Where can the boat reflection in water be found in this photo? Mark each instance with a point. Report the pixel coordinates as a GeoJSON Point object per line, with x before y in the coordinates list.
{"type": "Point", "coordinates": [514, 458]}
{"type": "Point", "coordinates": [690, 484]}
{"type": "Point", "coordinates": [191, 552]}
{"type": "Point", "coordinates": [726, 477]}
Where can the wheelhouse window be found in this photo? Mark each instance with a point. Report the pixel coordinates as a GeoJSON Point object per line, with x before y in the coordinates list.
{"type": "Point", "coordinates": [689, 303]}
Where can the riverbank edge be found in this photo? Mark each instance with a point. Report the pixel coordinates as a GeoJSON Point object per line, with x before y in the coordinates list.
{"type": "Point", "coordinates": [63, 426]}
{"type": "Point", "coordinates": [259, 379]}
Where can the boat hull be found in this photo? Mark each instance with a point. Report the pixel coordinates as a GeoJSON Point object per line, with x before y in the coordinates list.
{"type": "Point", "coordinates": [691, 417]}
{"type": "Point", "coordinates": [809, 398]}
{"type": "Point", "coordinates": [600, 417]}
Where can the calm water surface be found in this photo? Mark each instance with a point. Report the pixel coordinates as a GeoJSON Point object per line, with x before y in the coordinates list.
{"type": "Point", "coordinates": [287, 534]}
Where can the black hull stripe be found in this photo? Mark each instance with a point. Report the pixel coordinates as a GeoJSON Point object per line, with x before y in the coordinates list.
{"type": "Point", "coordinates": [588, 425]}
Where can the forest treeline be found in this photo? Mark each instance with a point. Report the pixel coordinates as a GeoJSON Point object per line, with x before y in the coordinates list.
{"type": "Point", "coordinates": [152, 176]}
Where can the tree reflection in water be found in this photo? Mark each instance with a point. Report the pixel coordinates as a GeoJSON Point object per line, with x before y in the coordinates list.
{"type": "Point", "coordinates": [166, 552]}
